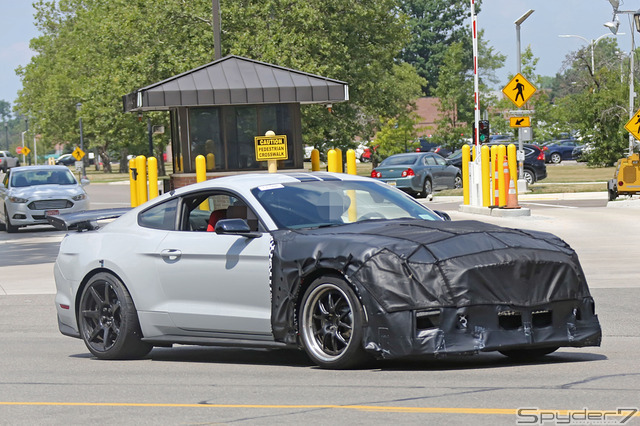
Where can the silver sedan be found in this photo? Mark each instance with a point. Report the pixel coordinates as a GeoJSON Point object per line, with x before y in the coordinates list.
{"type": "Point", "coordinates": [31, 193]}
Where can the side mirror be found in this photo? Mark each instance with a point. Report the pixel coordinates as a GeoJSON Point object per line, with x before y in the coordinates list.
{"type": "Point", "coordinates": [235, 227]}
{"type": "Point", "coordinates": [443, 215]}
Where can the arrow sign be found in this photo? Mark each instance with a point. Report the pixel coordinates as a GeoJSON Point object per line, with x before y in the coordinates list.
{"type": "Point", "coordinates": [520, 121]}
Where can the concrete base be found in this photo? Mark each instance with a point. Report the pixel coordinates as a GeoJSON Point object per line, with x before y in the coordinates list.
{"type": "Point", "coordinates": [625, 203]}
{"type": "Point", "coordinates": [494, 211]}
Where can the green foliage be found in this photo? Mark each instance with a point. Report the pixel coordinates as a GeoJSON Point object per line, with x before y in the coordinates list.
{"type": "Point", "coordinates": [398, 135]}
{"type": "Point", "coordinates": [95, 51]}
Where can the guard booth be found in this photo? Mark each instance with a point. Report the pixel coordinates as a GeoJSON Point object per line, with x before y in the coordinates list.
{"type": "Point", "coordinates": [216, 110]}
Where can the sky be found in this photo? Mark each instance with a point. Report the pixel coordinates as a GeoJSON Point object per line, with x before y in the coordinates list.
{"type": "Point", "coordinates": [497, 17]}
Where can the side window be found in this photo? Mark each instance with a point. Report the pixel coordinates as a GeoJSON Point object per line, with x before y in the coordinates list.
{"type": "Point", "coordinates": [162, 216]}
{"type": "Point", "coordinates": [440, 161]}
{"type": "Point", "coordinates": [430, 161]}
{"type": "Point", "coordinates": [203, 210]}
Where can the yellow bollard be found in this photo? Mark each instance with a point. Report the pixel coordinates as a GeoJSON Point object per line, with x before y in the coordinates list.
{"type": "Point", "coordinates": [486, 176]}
{"type": "Point", "coordinates": [201, 176]}
{"type": "Point", "coordinates": [513, 165]}
{"type": "Point", "coordinates": [141, 167]}
{"type": "Point", "coordinates": [494, 179]}
{"type": "Point", "coordinates": [272, 165]}
{"type": "Point", "coordinates": [181, 165]}
{"type": "Point", "coordinates": [351, 162]}
{"type": "Point", "coordinates": [211, 161]}
{"type": "Point", "coordinates": [315, 160]}
{"type": "Point", "coordinates": [152, 165]}
{"type": "Point", "coordinates": [132, 183]}
{"type": "Point", "coordinates": [340, 165]}
{"type": "Point", "coordinates": [332, 161]}
{"type": "Point", "coordinates": [502, 185]}
{"type": "Point", "coordinates": [466, 155]}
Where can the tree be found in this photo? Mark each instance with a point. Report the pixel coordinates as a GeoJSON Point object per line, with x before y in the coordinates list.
{"type": "Point", "coordinates": [435, 26]}
{"type": "Point", "coordinates": [95, 51]}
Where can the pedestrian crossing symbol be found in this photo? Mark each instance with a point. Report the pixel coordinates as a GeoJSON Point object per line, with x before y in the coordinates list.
{"type": "Point", "coordinates": [519, 90]}
{"type": "Point", "coordinates": [633, 125]}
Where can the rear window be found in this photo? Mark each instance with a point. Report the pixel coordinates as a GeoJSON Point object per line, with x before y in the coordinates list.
{"type": "Point", "coordinates": [395, 160]}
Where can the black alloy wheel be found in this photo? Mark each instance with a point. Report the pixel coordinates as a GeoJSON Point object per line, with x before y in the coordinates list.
{"type": "Point", "coordinates": [331, 324]}
{"type": "Point", "coordinates": [108, 320]}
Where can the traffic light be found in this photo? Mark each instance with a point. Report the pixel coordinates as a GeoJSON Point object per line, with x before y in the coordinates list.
{"type": "Point", "coordinates": [484, 131]}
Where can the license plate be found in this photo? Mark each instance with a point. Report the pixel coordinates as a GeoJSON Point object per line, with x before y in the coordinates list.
{"type": "Point", "coordinates": [51, 212]}
{"type": "Point", "coordinates": [391, 182]}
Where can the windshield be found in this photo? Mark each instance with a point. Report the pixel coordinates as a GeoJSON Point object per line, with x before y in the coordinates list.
{"type": "Point", "coordinates": [394, 160]}
{"type": "Point", "coordinates": [327, 203]}
{"type": "Point", "coordinates": [26, 178]}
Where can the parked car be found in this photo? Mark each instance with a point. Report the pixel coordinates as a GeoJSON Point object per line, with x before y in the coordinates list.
{"type": "Point", "coordinates": [31, 193]}
{"type": "Point", "coordinates": [418, 173]}
{"type": "Point", "coordinates": [556, 151]}
{"type": "Point", "coordinates": [66, 160]}
{"type": "Point", "coordinates": [7, 161]}
{"type": "Point", "coordinates": [442, 150]}
{"type": "Point", "coordinates": [345, 267]}
{"type": "Point", "coordinates": [535, 168]}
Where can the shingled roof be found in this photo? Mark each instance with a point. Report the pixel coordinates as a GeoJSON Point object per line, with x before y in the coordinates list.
{"type": "Point", "coordinates": [234, 80]}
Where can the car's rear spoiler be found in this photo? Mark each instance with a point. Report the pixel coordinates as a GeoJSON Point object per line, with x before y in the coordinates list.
{"type": "Point", "coordinates": [86, 220]}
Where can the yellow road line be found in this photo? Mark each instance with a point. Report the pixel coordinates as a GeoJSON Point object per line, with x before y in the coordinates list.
{"type": "Point", "coordinates": [374, 408]}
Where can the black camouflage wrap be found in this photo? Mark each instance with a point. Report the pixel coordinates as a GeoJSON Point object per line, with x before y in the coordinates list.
{"type": "Point", "coordinates": [474, 276]}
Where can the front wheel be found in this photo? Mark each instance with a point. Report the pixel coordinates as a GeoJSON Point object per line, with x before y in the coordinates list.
{"type": "Point", "coordinates": [7, 223]}
{"type": "Point", "coordinates": [108, 320]}
{"type": "Point", "coordinates": [457, 182]}
{"type": "Point", "coordinates": [331, 324]}
{"type": "Point", "coordinates": [556, 158]}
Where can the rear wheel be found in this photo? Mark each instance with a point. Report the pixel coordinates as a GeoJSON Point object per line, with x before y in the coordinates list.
{"type": "Point", "coordinates": [331, 324]}
{"type": "Point", "coordinates": [529, 177]}
{"type": "Point", "coordinates": [528, 354]}
{"type": "Point", "coordinates": [108, 320]}
{"type": "Point", "coordinates": [556, 158]}
{"type": "Point", "coordinates": [427, 188]}
{"type": "Point", "coordinates": [457, 182]}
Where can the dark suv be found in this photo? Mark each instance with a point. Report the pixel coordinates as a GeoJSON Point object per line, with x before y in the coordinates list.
{"type": "Point", "coordinates": [535, 168]}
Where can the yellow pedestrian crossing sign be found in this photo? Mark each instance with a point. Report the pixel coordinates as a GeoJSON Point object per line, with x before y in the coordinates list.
{"type": "Point", "coordinates": [78, 153]}
{"type": "Point", "coordinates": [520, 121]}
{"type": "Point", "coordinates": [633, 125]}
{"type": "Point", "coordinates": [519, 90]}
{"type": "Point", "coordinates": [25, 150]}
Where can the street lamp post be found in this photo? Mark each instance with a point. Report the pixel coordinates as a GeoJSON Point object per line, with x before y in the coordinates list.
{"type": "Point", "coordinates": [78, 107]}
{"type": "Point", "coordinates": [613, 26]}
{"type": "Point", "coordinates": [6, 134]}
{"type": "Point", "coordinates": [592, 43]}
{"type": "Point", "coordinates": [521, 182]}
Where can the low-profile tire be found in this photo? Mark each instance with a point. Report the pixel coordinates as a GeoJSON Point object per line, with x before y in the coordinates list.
{"type": "Point", "coordinates": [108, 320]}
{"type": "Point", "coordinates": [427, 188]}
{"type": "Point", "coordinates": [331, 324]}
{"type": "Point", "coordinates": [7, 223]}
{"type": "Point", "coordinates": [529, 177]}
{"type": "Point", "coordinates": [457, 182]}
{"type": "Point", "coordinates": [556, 158]}
{"type": "Point", "coordinates": [613, 193]}
{"type": "Point", "coordinates": [528, 354]}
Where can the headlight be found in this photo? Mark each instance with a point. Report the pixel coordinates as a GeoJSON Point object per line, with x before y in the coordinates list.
{"type": "Point", "coordinates": [79, 197]}
{"type": "Point", "coordinates": [18, 200]}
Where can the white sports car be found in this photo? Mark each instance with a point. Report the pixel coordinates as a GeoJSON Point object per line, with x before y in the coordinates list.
{"type": "Point", "coordinates": [31, 193]}
{"type": "Point", "coordinates": [345, 267]}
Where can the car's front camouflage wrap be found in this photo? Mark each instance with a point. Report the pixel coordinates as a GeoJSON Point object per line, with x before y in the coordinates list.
{"type": "Point", "coordinates": [431, 287]}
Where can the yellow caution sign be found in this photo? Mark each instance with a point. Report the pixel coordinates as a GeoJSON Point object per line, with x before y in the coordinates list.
{"type": "Point", "coordinates": [519, 90]}
{"type": "Point", "coordinates": [520, 121]}
{"type": "Point", "coordinates": [78, 154]}
{"type": "Point", "coordinates": [632, 126]}
{"type": "Point", "coordinates": [25, 150]}
{"type": "Point", "coordinates": [271, 147]}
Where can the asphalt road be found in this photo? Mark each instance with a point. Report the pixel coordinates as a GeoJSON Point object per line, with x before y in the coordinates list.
{"type": "Point", "coordinates": [47, 378]}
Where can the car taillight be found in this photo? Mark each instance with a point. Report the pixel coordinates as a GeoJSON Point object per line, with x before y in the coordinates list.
{"type": "Point", "coordinates": [544, 148]}
{"type": "Point", "coordinates": [375, 174]}
{"type": "Point", "coordinates": [541, 156]}
{"type": "Point", "coordinates": [408, 172]}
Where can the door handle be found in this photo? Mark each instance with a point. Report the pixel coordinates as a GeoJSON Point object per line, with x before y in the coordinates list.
{"type": "Point", "coordinates": [172, 255]}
